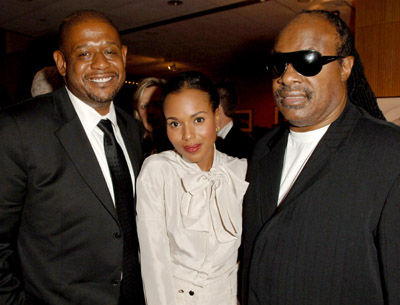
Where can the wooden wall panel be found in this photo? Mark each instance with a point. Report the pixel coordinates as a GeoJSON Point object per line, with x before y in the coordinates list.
{"type": "Point", "coordinates": [389, 72]}
{"type": "Point", "coordinates": [369, 12]}
{"type": "Point", "coordinates": [367, 40]}
{"type": "Point", "coordinates": [392, 10]}
{"type": "Point", "coordinates": [378, 42]}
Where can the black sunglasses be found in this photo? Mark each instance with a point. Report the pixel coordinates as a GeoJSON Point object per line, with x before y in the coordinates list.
{"type": "Point", "coordinates": [307, 63]}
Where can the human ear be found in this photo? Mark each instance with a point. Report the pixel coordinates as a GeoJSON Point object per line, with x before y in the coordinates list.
{"type": "Point", "coordinates": [61, 64]}
{"type": "Point", "coordinates": [346, 67]}
{"type": "Point", "coordinates": [216, 117]}
{"type": "Point", "coordinates": [124, 52]}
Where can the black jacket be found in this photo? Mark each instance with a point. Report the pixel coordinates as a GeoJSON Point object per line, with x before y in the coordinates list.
{"type": "Point", "coordinates": [335, 239]}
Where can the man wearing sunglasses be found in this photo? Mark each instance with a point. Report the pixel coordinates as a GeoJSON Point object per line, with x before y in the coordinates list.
{"type": "Point", "coordinates": [322, 213]}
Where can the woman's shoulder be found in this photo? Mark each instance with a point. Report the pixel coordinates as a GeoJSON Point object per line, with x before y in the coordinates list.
{"type": "Point", "coordinates": [164, 158]}
{"type": "Point", "coordinates": [226, 159]}
{"type": "Point", "coordinates": [236, 165]}
{"type": "Point", "coordinates": [158, 167]}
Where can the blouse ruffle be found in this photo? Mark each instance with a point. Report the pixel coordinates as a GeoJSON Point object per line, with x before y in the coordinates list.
{"type": "Point", "coordinates": [212, 200]}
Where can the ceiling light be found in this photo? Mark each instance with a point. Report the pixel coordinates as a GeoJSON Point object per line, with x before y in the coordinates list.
{"type": "Point", "coordinates": [172, 67]}
{"type": "Point", "coordinates": [175, 2]}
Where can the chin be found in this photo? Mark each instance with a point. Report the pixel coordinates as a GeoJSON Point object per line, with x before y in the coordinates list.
{"type": "Point", "coordinates": [102, 99]}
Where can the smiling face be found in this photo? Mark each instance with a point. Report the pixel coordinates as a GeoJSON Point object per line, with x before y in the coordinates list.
{"type": "Point", "coordinates": [92, 62]}
{"type": "Point", "coordinates": [310, 103]}
{"type": "Point", "coordinates": [191, 125]}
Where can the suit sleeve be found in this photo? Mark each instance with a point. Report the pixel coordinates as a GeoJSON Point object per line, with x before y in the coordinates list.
{"type": "Point", "coordinates": [389, 245]}
{"type": "Point", "coordinates": [153, 238]}
{"type": "Point", "coordinates": [13, 181]}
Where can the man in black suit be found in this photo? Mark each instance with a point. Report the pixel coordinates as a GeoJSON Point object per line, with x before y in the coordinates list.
{"type": "Point", "coordinates": [231, 139]}
{"type": "Point", "coordinates": [62, 236]}
{"type": "Point", "coordinates": [321, 216]}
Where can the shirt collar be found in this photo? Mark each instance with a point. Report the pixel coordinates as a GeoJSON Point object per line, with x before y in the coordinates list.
{"type": "Point", "coordinates": [225, 130]}
{"type": "Point", "coordinates": [308, 136]}
{"type": "Point", "coordinates": [88, 116]}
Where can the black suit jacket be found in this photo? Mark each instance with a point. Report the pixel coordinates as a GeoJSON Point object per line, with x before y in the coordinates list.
{"type": "Point", "coordinates": [236, 143]}
{"type": "Point", "coordinates": [58, 224]}
{"type": "Point", "coordinates": [335, 239]}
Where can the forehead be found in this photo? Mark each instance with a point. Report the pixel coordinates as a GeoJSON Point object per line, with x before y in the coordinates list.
{"type": "Point", "coordinates": [188, 99]}
{"type": "Point", "coordinates": [91, 30]}
{"type": "Point", "coordinates": [307, 32]}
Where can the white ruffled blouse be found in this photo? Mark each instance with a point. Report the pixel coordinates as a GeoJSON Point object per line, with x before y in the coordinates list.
{"type": "Point", "coordinates": [189, 221]}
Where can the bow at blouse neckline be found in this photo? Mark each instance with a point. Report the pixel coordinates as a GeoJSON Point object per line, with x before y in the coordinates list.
{"type": "Point", "coordinates": [212, 202]}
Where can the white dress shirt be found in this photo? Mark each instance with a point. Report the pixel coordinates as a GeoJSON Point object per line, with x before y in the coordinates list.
{"type": "Point", "coordinates": [225, 130]}
{"type": "Point", "coordinates": [89, 119]}
{"type": "Point", "coordinates": [189, 222]}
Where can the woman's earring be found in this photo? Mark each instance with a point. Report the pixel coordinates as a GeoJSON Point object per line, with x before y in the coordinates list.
{"type": "Point", "coordinates": [218, 128]}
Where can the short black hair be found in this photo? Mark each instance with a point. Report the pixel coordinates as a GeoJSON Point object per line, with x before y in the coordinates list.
{"type": "Point", "coordinates": [79, 17]}
{"type": "Point", "coordinates": [192, 80]}
{"type": "Point", "coordinates": [358, 89]}
{"type": "Point", "coordinates": [227, 97]}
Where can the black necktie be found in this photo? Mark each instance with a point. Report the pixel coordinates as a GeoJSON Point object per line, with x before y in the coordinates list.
{"type": "Point", "coordinates": [123, 194]}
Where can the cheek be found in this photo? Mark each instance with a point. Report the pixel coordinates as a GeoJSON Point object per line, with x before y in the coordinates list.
{"type": "Point", "coordinates": [275, 86]}
{"type": "Point", "coordinates": [321, 94]}
{"type": "Point", "coordinates": [75, 72]}
{"type": "Point", "coordinates": [142, 112]}
{"type": "Point", "coordinates": [208, 132]}
{"type": "Point", "coordinates": [173, 136]}
{"type": "Point", "coordinates": [118, 63]}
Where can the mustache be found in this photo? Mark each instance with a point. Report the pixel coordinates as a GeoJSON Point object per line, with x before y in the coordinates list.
{"type": "Point", "coordinates": [284, 89]}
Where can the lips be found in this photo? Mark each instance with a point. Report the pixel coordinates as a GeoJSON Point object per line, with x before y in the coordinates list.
{"type": "Point", "coordinates": [192, 148]}
{"type": "Point", "coordinates": [292, 98]}
{"type": "Point", "coordinates": [293, 94]}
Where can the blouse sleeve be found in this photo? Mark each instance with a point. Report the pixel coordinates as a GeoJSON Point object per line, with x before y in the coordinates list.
{"type": "Point", "coordinates": [154, 244]}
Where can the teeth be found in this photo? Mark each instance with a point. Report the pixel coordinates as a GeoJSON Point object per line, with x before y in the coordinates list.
{"type": "Point", "coordinates": [100, 80]}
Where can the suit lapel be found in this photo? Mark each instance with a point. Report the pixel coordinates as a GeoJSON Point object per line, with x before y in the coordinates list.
{"type": "Point", "coordinates": [132, 143]}
{"type": "Point", "coordinates": [313, 170]}
{"type": "Point", "coordinates": [271, 169]}
{"type": "Point", "coordinates": [318, 164]}
{"type": "Point", "coordinates": [73, 138]}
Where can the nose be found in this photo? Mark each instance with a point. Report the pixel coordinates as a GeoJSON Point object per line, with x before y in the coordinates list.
{"type": "Point", "coordinates": [290, 76]}
{"type": "Point", "coordinates": [100, 62]}
{"type": "Point", "coordinates": [187, 133]}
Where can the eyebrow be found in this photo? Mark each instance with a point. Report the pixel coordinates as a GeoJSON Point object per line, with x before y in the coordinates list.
{"type": "Point", "coordinates": [193, 115]}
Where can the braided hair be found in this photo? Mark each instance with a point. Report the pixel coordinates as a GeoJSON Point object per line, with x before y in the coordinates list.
{"type": "Point", "coordinates": [358, 88]}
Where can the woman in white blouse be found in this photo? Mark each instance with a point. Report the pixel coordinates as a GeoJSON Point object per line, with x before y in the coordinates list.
{"type": "Point", "coordinates": [189, 208]}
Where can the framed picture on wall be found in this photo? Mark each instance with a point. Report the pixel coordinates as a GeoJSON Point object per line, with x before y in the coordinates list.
{"type": "Point", "coordinates": [245, 119]}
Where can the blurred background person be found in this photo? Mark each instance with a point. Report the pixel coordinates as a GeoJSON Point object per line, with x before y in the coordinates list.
{"type": "Point", "coordinates": [231, 139]}
{"type": "Point", "coordinates": [46, 80]}
{"type": "Point", "coordinates": [148, 110]}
